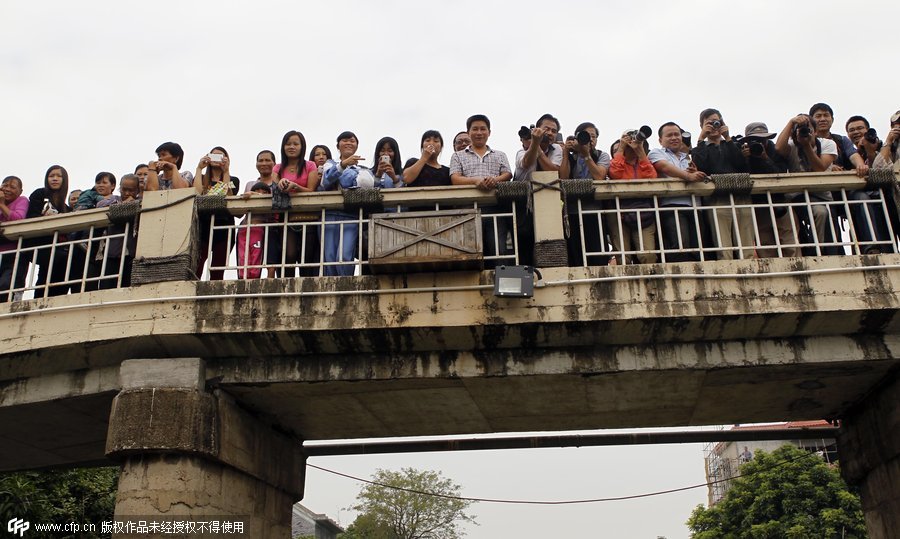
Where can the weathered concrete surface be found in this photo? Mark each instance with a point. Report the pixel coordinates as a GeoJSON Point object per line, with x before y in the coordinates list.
{"type": "Point", "coordinates": [188, 452]}
{"type": "Point", "coordinates": [869, 444]}
{"type": "Point", "coordinates": [595, 348]}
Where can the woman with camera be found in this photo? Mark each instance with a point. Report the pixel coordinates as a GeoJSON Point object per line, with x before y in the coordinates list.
{"type": "Point", "coordinates": [388, 165]}
{"type": "Point", "coordinates": [632, 232]}
{"type": "Point", "coordinates": [217, 180]}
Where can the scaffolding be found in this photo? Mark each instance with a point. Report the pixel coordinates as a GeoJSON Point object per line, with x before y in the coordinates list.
{"type": "Point", "coordinates": [722, 469]}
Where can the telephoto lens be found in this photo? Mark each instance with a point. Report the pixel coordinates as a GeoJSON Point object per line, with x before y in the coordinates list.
{"type": "Point", "coordinates": [583, 138]}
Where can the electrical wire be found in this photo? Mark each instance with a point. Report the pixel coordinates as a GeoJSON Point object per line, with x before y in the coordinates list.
{"type": "Point", "coordinates": [557, 502]}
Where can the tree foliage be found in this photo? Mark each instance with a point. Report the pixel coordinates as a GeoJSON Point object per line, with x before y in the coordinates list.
{"type": "Point", "coordinates": [83, 495]}
{"type": "Point", "coordinates": [789, 493]}
{"type": "Point", "coordinates": [389, 513]}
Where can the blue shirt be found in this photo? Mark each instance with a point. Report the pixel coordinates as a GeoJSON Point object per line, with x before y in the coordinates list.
{"type": "Point", "coordinates": [679, 160]}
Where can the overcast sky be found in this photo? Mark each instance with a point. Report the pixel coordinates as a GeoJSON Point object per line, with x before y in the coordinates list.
{"type": "Point", "coordinates": [98, 86]}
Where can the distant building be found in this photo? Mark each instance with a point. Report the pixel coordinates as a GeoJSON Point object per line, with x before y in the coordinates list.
{"type": "Point", "coordinates": [722, 459]}
{"type": "Point", "coordinates": [306, 523]}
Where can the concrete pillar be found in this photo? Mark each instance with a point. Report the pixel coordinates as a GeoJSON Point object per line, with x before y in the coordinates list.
{"type": "Point", "coordinates": [549, 237]}
{"type": "Point", "coordinates": [869, 449]}
{"type": "Point", "coordinates": [192, 455]}
{"type": "Point", "coordinates": [167, 245]}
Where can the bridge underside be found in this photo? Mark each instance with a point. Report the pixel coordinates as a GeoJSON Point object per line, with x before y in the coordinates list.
{"type": "Point", "coordinates": [582, 354]}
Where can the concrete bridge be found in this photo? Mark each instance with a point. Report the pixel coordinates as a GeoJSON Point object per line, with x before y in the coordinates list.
{"type": "Point", "coordinates": [204, 391]}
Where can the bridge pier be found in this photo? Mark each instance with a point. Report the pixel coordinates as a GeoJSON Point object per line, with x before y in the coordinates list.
{"type": "Point", "coordinates": [189, 454]}
{"type": "Point", "coordinates": [869, 448]}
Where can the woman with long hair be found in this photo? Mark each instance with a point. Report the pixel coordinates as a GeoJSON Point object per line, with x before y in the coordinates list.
{"type": "Point", "coordinates": [45, 201]}
{"type": "Point", "coordinates": [387, 165]}
{"type": "Point", "coordinates": [296, 174]}
{"type": "Point", "coordinates": [217, 179]}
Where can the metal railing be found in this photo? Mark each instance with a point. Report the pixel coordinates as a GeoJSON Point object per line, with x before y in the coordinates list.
{"type": "Point", "coordinates": [619, 227]}
{"type": "Point", "coordinates": [781, 216]}
{"type": "Point", "coordinates": [305, 243]}
{"type": "Point", "coordinates": [64, 254]}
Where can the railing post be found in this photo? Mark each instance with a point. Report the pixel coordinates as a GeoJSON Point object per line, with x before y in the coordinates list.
{"type": "Point", "coordinates": [549, 236]}
{"type": "Point", "coordinates": [168, 238]}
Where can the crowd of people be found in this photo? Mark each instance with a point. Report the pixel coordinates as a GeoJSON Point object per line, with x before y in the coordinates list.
{"type": "Point", "coordinates": [806, 143]}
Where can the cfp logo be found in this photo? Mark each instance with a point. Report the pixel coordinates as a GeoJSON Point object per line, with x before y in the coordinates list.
{"type": "Point", "coordinates": [17, 525]}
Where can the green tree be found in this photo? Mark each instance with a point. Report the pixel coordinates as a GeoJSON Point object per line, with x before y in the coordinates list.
{"type": "Point", "coordinates": [83, 495]}
{"type": "Point", "coordinates": [390, 513]}
{"type": "Point", "coordinates": [789, 493]}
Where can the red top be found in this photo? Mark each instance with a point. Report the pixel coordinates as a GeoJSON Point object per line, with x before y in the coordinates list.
{"type": "Point", "coordinates": [620, 170]}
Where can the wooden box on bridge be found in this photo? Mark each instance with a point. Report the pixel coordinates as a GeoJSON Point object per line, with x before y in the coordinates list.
{"type": "Point", "coordinates": [443, 240]}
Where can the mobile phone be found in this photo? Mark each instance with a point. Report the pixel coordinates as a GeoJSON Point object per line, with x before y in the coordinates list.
{"type": "Point", "coordinates": [215, 157]}
{"type": "Point", "coordinates": [386, 159]}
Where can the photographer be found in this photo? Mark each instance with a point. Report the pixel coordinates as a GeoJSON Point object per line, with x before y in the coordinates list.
{"type": "Point", "coordinates": [716, 153]}
{"type": "Point", "coordinates": [633, 232]}
{"type": "Point", "coordinates": [540, 153]}
{"type": "Point", "coordinates": [762, 158]}
{"type": "Point", "coordinates": [163, 173]}
{"type": "Point", "coordinates": [583, 161]}
{"type": "Point", "coordinates": [797, 143]}
{"type": "Point", "coordinates": [889, 154]}
{"type": "Point", "coordinates": [866, 206]}
{"type": "Point", "coordinates": [678, 222]}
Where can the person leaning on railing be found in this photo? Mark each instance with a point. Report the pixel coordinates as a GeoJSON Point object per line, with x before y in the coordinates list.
{"type": "Point", "coordinates": [584, 161]}
{"type": "Point", "coordinates": [45, 201]}
{"type": "Point", "coordinates": [889, 154]}
{"type": "Point", "coordinates": [340, 241]}
{"type": "Point", "coordinates": [84, 253]}
{"type": "Point", "coordinates": [480, 165]}
{"type": "Point", "coordinates": [216, 180]}
{"type": "Point", "coordinates": [296, 174]}
{"type": "Point", "coordinates": [633, 230]}
{"type": "Point", "coordinates": [866, 203]}
{"type": "Point", "coordinates": [762, 158]}
{"type": "Point", "coordinates": [678, 220]}
{"type": "Point", "coordinates": [805, 152]}
{"type": "Point", "coordinates": [716, 153]}
{"type": "Point", "coordinates": [115, 250]}
{"type": "Point", "coordinates": [13, 206]}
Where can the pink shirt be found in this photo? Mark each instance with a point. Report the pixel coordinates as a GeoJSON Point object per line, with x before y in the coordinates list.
{"type": "Point", "coordinates": [18, 208]}
{"type": "Point", "coordinates": [303, 179]}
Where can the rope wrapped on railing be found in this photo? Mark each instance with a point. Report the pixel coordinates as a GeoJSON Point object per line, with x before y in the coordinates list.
{"type": "Point", "coordinates": [880, 177]}
{"type": "Point", "coordinates": [735, 184]}
{"type": "Point", "coordinates": [583, 189]}
{"type": "Point", "coordinates": [207, 204]}
{"type": "Point", "coordinates": [163, 268]}
{"type": "Point", "coordinates": [125, 212]}
{"type": "Point", "coordinates": [367, 198]}
{"type": "Point", "coordinates": [513, 191]}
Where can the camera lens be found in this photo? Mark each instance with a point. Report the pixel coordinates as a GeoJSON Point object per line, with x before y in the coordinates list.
{"type": "Point", "coordinates": [716, 124]}
{"type": "Point", "coordinates": [756, 149]}
{"type": "Point", "coordinates": [583, 137]}
{"type": "Point", "coordinates": [524, 133]}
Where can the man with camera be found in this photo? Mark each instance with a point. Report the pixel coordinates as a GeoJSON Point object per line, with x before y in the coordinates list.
{"type": "Point", "coordinates": [539, 151]}
{"type": "Point", "coordinates": [866, 203]}
{"type": "Point", "coordinates": [679, 228]}
{"type": "Point", "coordinates": [805, 152]}
{"type": "Point", "coordinates": [583, 161]}
{"type": "Point", "coordinates": [762, 158]}
{"type": "Point", "coordinates": [716, 153]}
